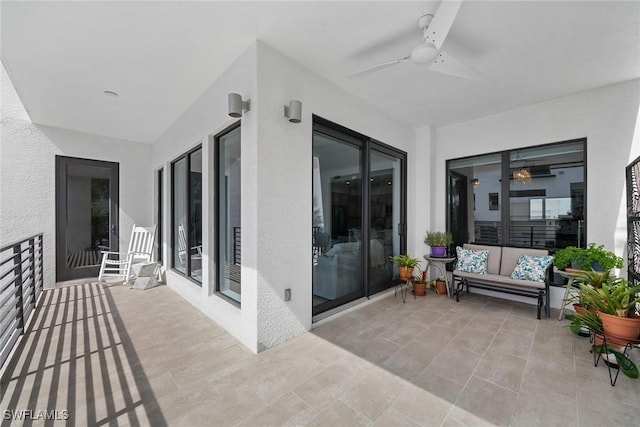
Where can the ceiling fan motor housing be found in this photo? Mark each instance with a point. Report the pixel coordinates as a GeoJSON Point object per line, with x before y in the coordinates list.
{"type": "Point", "coordinates": [424, 53]}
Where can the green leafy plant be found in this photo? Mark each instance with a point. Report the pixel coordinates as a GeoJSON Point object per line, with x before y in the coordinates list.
{"type": "Point", "coordinates": [589, 319]}
{"type": "Point", "coordinates": [405, 261]}
{"type": "Point", "coordinates": [614, 297]}
{"type": "Point", "coordinates": [587, 258]}
{"type": "Point", "coordinates": [626, 365]}
{"type": "Point", "coordinates": [438, 238]}
{"type": "Point", "coordinates": [421, 277]}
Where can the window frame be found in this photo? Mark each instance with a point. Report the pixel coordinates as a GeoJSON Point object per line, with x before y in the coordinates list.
{"type": "Point", "coordinates": [174, 245]}
{"type": "Point", "coordinates": [217, 222]}
{"type": "Point", "coordinates": [505, 196]}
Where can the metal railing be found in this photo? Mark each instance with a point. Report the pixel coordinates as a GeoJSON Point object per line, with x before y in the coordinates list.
{"type": "Point", "coordinates": [21, 283]}
{"type": "Point", "coordinates": [237, 245]}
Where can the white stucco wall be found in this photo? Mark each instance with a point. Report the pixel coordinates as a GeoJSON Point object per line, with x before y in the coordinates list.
{"type": "Point", "coordinates": [276, 188]}
{"type": "Point", "coordinates": [207, 117]}
{"type": "Point", "coordinates": [285, 185]}
{"type": "Point", "coordinates": [27, 177]}
{"type": "Point", "coordinates": [607, 117]}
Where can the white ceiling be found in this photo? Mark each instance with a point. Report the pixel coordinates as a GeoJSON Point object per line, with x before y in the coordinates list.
{"type": "Point", "coordinates": [159, 57]}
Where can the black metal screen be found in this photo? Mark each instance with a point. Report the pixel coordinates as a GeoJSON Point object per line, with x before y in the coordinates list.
{"type": "Point", "coordinates": [633, 221]}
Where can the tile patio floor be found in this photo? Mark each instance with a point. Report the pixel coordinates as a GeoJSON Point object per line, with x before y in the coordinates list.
{"type": "Point", "coordinates": [114, 356]}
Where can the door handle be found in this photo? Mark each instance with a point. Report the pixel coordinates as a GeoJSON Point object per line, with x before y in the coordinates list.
{"type": "Point", "coordinates": [113, 229]}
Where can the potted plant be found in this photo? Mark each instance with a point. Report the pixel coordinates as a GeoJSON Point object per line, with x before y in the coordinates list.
{"type": "Point", "coordinates": [405, 264]}
{"type": "Point", "coordinates": [610, 355]}
{"type": "Point", "coordinates": [440, 286]}
{"type": "Point", "coordinates": [593, 257]}
{"type": "Point", "coordinates": [438, 241]}
{"type": "Point", "coordinates": [420, 284]}
{"type": "Point", "coordinates": [592, 278]}
{"type": "Point", "coordinates": [615, 303]}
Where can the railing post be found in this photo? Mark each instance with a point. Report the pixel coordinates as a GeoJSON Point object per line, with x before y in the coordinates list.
{"type": "Point", "coordinates": [40, 261]}
{"type": "Point", "coordinates": [32, 263]}
{"type": "Point", "coordinates": [17, 259]}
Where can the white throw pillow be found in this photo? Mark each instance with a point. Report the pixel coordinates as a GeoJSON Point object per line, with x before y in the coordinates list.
{"type": "Point", "coordinates": [531, 267]}
{"type": "Point", "coordinates": [472, 261]}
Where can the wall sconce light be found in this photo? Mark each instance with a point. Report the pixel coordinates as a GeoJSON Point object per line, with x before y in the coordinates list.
{"type": "Point", "coordinates": [475, 182]}
{"type": "Point", "coordinates": [294, 111]}
{"type": "Point", "coordinates": [237, 106]}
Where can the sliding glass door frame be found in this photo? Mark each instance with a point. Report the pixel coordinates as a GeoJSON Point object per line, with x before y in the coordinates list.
{"type": "Point", "coordinates": [366, 146]}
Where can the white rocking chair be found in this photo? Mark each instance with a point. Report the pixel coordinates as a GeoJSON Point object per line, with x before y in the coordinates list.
{"type": "Point", "coordinates": [196, 251]}
{"type": "Point", "coordinates": [118, 264]}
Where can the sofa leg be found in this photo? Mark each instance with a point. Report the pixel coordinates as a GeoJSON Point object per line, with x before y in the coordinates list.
{"type": "Point", "coordinates": [458, 289]}
{"type": "Point", "coordinates": [539, 305]}
{"type": "Point", "coordinates": [547, 304]}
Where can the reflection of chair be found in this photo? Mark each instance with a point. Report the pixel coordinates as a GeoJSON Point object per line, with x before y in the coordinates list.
{"type": "Point", "coordinates": [182, 246]}
{"type": "Point", "coordinates": [118, 264]}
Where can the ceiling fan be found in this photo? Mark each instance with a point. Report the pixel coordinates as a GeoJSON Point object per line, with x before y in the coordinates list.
{"type": "Point", "coordinates": [434, 30]}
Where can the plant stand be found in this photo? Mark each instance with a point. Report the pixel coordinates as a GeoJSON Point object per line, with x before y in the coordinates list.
{"type": "Point", "coordinates": [404, 290]}
{"type": "Point", "coordinates": [597, 355]}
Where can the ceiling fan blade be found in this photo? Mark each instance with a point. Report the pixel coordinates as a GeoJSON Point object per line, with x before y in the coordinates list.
{"type": "Point", "coordinates": [447, 64]}
{"type": "Point", "coordinates": [378, 67]}
{"type": "Point", "coordinates": [441, 22]}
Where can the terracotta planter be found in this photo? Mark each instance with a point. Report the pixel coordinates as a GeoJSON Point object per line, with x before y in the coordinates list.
{"type": "Point", "coordinates": [579, 309]}
{"type": "Point", "coordinates": [406, 273]}
{"type": "Point", "coordinates": [420, 289]}
{"type": "Point", "coordinates": [438, 251]}
{"type": "Point", "coordinates": [441, 287]}
{"type": "Point", "coordinates": [618, 329]}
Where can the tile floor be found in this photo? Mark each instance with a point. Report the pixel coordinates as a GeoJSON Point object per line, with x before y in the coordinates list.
{"type": "Point", "coordinates": [111, 355]}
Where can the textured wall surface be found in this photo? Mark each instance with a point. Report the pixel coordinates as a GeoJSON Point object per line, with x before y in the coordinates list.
{"type": "Point", "coordinates": [27, 177]}
{"type": "Point", "coordinates": [276, 188]}
{"type": "Point", "coordinates": [285, 185]}
{"type": "Point", "coordinates": [205, 118]}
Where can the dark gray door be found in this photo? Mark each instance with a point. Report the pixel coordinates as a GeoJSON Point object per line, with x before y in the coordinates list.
{"type": "Point", "coordinates": [86, 215]}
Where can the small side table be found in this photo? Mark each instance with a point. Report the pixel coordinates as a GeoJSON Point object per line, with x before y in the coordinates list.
{"type": "Point", "coordinates": [145, 273]}
{"type": "Point", "coordinates": [567, 291]}
{"type": "Point", "coordinates": [440, 264]}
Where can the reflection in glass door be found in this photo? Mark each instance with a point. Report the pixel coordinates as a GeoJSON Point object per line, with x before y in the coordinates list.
{"type": "Point", "coordinates": [358, 215]}
{"type": "Point", "coordinates": [86, 215]}
{"type": "Point", "coordinates": [337, 222]}
{"type": "Point", "coordinates": [385, 202]}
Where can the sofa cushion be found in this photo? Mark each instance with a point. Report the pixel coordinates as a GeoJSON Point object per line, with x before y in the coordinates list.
{"type": "Point", "coordinates": [510, 257]}
{"type": "Point", "coordinates": [500, 280]}
{"type": "Point", "coordinates": [340, 248]}
{"type": "Point", "coordinates": [495, 253]}
{"type": "Point", "coordinates": [531, 267]}
{"type": "Point", "coordinates": [472, 261]}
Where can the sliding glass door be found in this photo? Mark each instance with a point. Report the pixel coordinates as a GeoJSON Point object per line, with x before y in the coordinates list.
{"type": "Point", "coordinates": [385, 216]}
{"type": "Point", "coordinates": [337, 221]}
{"type": "Point", "coordinates": [358, 215]}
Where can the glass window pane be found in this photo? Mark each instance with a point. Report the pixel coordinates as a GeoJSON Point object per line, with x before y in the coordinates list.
{"type": "Point", "coordinates": [385, 194]}
{"type": "Point", "coordinates": [179, 186]}
{"type": "Point", "coordinates": [337, 220]}
{"type": "Point", "coordinates": [195, 212]}
{"type": "Point", "coordinates": [159, 216]}
{"type": "Point", "coordinates": [229, 214]}
{"type": "Point", "coordinates": [474, 199]}
{"type": "Point", "coordinates": [547, 196]}
{"type": "Point", "coordinates": [88, 203]}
